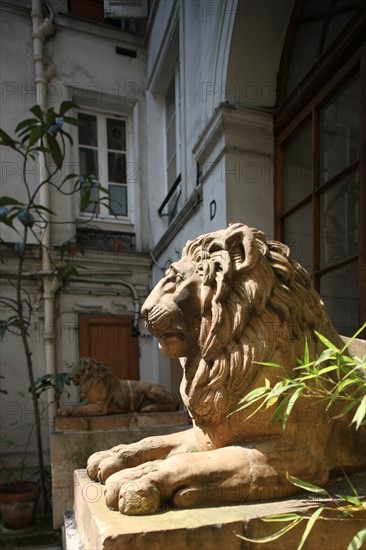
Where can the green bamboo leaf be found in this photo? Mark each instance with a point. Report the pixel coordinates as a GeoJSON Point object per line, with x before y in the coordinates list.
{"type": "Point", "coordinates": [274, 518]}
{"type": "Point", "coordinates": [306, 352]}
{"type": "Point", "coordinates": [291, 402]}
{"type": "Point", "coordinates": [276, 365]}
{"type": "Point", "coordinates": [306, 485]}
{"type": "Point", "coordinates": [280, 409]}
{"type": "Point", "coordinates": [326, 342]}
{"type": "Point", "coordinates": [347, 344]}
{"type": "Point", "coordinates": [360, 413]}
{"type": "Point", "coordinates": [324, 356]}
{"type": "Point", "coordinates": [305, 366]}
{"type": "Point", "coordinates": [309, 526]}
{"type": "Point", "coordinates": [355, 501]}
{"type": "Point", "coordinates": [274, 536]}
{"type": "Point", "coordinates": [357, 540]}
{"type": "Point", "coordinates": [327, 369]}
{"type": "Point", "coordinates": [254, 394]}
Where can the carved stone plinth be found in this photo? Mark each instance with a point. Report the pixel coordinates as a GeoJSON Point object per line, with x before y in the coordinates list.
{"type": "Point", "coordinates": [205, 528]}
{"type": "Point", "coordinates": [75, 438]}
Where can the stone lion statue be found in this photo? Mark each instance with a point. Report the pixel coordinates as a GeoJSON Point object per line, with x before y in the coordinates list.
{"type": "Point", "coordinates": [233, 301]}
{"type": "Point", "coordinates": [107, 394]}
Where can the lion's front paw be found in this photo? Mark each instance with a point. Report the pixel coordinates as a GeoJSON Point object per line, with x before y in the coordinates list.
{"type": "Point", "coordinates": [94, 461]}
{"type": "Point", "coordinates": [138, 498]}
{"type": "Point", "coordinates": [135, 491]}
{"type": "Point", "coordinates": [108, 466]}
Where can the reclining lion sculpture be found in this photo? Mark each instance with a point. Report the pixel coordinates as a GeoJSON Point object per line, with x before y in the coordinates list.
{"type": "Point", "coordinates": [107, 394]}
{"type": "Point", "coordinates": [232, 301]}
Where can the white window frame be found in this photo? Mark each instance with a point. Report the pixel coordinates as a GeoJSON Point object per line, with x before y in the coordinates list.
{"type": "Point", "coordinates": [103, 213]}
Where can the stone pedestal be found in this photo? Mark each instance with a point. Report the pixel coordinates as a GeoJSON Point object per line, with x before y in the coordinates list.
{"type": "Point", "coordinates": [206, 528]}
{"type": "Point", "coordinates": [76, 438]}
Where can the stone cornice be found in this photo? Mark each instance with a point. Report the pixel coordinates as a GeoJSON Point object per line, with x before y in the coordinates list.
{"type": "Point", "coordinates": [229, 122]}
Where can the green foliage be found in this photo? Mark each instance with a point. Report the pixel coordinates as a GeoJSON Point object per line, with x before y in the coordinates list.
{"type": "Point", "coordinates": [353, 504]}
{"type": "Point", "coordinates": [56, 382]}
{"type": "Point", "coordinates": [334, 376]}
{"type": "Point", "coordinates": [41, 136]}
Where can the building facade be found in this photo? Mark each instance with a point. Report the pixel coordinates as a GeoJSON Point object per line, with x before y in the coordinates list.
{"type": "Point", "coordinates": [195, 114]}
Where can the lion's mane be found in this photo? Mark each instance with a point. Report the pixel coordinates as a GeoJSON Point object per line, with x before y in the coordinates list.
{"type": "Point", "coordinates": [251, 290]}
{"type": "Point", "coordinates": [97, 371]}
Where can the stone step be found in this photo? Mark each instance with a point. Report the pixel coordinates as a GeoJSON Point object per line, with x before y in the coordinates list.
{"type": "Point", "coordinates": [99, 528]}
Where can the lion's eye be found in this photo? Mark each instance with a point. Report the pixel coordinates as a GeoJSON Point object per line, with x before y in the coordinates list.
{"type": "Point", "coordinates": [179, 277]}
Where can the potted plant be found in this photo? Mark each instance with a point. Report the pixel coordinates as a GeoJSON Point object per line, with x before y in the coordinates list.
{"type": "Point", "coordinates": [18, 496]}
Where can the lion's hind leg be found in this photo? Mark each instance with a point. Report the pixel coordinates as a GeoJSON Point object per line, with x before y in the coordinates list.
{"type": "Point", "coordinates": [159, 407]}
{"type": "Point", "coordinates": [158, 399]}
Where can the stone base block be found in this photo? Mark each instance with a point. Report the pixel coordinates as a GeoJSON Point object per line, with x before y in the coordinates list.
{"type": "Point", "coordinates": [76, 438]}
{"type": "Point", "coordinates": [204, 528]}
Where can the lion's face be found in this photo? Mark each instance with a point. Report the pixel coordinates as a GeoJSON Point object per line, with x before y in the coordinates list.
{"type": "Point", "coordinates": [87, 373]}
{"type": "Point", "coordinates": [173, 310]}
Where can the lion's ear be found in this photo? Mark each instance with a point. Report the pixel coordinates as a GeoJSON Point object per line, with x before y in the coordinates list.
{"type": "Point", "coordinates": [244, 245]}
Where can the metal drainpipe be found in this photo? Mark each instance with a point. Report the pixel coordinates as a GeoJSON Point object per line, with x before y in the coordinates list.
{"type": "Point", "coordinates": [42, 28]}
{"type": "Point", "coordinates": [136, 301]}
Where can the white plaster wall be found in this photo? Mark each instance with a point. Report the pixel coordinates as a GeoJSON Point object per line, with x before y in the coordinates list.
{"type": "Point", "coordinates": [82, 57]}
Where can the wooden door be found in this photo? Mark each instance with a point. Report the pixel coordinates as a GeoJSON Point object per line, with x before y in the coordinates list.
{"type": "Point", "coordinates": [109, 339]}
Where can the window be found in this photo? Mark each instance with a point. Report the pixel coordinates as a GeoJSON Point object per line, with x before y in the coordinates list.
{"type": "Point", "coordinates": [102, 147]}
{"type": "Point", "coordinates": [320, 164]}
{"type": "Point", "coordinates": [172, 148]}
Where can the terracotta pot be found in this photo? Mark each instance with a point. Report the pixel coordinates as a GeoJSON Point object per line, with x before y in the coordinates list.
{"type": "Point", "coordinates": [18, 503]}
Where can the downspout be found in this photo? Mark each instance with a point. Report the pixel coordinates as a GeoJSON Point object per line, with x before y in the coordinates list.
{"type": "Point", "coordinates": [130, 286]}
{"type": "Point", "coordinates": [41, 29]}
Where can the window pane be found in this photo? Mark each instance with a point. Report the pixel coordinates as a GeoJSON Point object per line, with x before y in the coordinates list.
{"type": "Point", "coordinates": [171, 140]}
{"type": "Point", "coordinates": [117, 168]}
{"type": "Point", "coordinates": [92, 205]}
{"type": "Point", "coordinates": [118, 200]}
{"type": "Point", "coordinates": [116, 134]}
{"type": "Point", "coordinates": [339, 221]}
{"type": "Point", "coordinates": [314, 7]}
{"type": "Point", "coordinates": [339, 290]}
{"type": "Point", "coordinates": [339, 131]}
{"type": "Point", "coordinates": [298, 167]}
{"type": "Point", "coordinates": [88, 159]}
{"type": "Point", "coordinates": [336, 25]}
{"type": "Point", "coordinates": [299, 236]}
{"type": "Point", "coordinates": [88, 130]}
{"type": "Point", "coordinates": [304, 53]}
{"type": "Point", "coordinates": [172, 172]}
{"type": "Point", "coordinates": [170, 102]}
